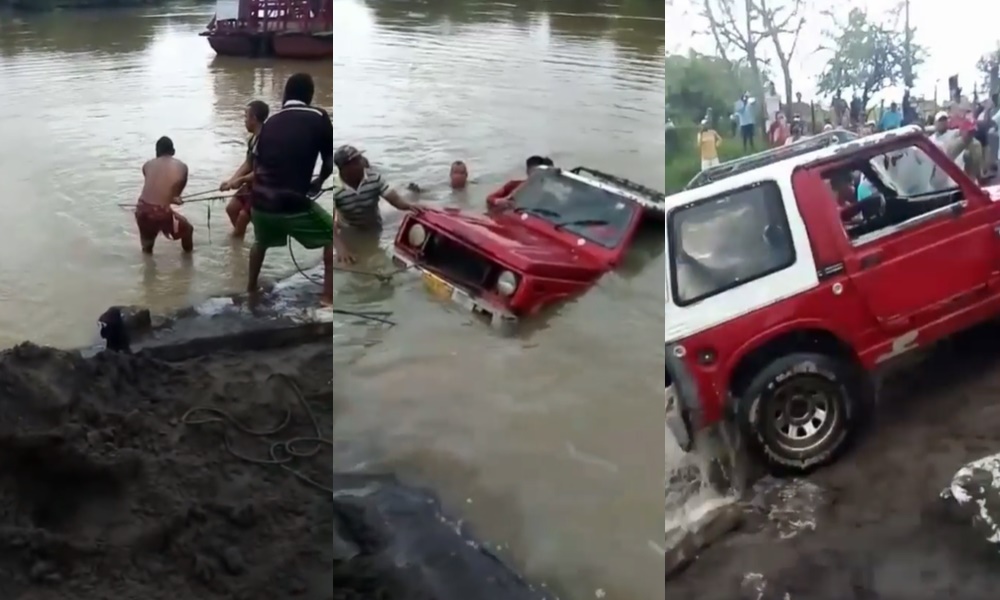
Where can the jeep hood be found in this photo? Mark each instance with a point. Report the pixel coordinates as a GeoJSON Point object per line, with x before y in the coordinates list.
{"type": "Point", "coordinates": [511, 242]}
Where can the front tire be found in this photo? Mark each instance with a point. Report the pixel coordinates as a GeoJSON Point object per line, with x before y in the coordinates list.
{"type": "Point", "coordinates": [803, 410]}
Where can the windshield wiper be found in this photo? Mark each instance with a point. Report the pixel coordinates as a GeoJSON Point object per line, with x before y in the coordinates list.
{"type": "Point", "coordinates": [582, 223]}
{"type": "Point", "coordinates": [543, 212]}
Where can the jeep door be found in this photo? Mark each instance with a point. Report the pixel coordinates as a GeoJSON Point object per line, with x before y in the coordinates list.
{"type": "Point", "coordinates": [935, 263]}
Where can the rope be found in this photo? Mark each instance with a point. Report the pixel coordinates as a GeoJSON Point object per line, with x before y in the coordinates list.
{"type": "Point", "coordinates": [281, 453]}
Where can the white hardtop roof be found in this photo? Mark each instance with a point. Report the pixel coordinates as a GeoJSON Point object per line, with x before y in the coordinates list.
{"type": "Point", "coordinates": [783, 168]}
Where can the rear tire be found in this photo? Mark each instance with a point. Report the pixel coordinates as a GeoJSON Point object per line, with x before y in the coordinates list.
{"type": "Point", "coordinates": [803, 410]}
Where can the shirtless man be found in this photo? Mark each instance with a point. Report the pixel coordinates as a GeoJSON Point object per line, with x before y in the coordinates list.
{"type": "Point", "coordinates": [165, 180]}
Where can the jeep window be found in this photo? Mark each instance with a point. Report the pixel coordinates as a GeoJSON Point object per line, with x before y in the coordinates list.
{"type": "Point", "coordinates": [890, 192]}
{"type": "Point", "coordinates": [726, 241]}
{"type": "Point", "coordinates": [594, 214]}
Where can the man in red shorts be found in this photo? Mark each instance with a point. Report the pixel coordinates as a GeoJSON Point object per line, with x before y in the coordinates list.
{"type": "Point", "coordinates": [238, 208]}
{"type": "Point", "coordinates": [165, 180]}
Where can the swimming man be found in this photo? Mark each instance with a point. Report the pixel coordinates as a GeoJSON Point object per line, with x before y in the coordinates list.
{"type": "Point", "coordinates": [501, 197]}
{"type": "Point", "coordinates": [165, 180]}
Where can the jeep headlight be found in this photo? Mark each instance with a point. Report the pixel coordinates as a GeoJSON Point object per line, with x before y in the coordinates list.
{"type": "Point", "coordinates": [417, 235]}
{"type": "Point", "coordinates": [507, 283]}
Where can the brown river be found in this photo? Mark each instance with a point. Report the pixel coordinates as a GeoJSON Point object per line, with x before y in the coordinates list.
{"type": "Point", "coordinates": [547, 443]}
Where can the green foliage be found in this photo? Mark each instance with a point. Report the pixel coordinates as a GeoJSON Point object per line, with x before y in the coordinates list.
{"type": "Point", "coordinates": [868, 57]}
{"type": "Point", "coordinates": [684, 160]}
{"type": "Point", "coordinates": [697, 82]}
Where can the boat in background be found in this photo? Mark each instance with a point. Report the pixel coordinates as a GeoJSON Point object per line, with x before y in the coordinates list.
{"type": "Point", "coordinates": [295, 29]}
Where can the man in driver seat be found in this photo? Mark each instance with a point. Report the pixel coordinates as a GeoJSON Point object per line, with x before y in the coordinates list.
{"type": "Point", "coordinates": [842, 183]}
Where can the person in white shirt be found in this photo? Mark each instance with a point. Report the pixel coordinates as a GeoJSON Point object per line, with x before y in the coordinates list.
{"type": "Point", "coordinates": [772, 104]}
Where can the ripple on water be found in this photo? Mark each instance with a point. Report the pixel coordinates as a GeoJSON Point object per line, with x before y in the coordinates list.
{"type": "Point", "coordinates": [554, 436]}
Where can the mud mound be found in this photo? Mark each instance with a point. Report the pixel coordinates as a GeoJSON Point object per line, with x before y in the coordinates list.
{"type": "Point", "coordinates": [106, 493]}
{"type": "Point", "coordinates": [872, 527]}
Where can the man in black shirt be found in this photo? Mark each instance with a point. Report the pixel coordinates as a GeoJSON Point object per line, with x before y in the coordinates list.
{"type": "Point", "coordinates": [283, 185]}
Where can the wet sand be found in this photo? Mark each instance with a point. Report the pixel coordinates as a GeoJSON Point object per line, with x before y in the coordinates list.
{"type": "Point", "coordinates": [106, 493]}
{"type": "Point", "coordinates": [871, 527]}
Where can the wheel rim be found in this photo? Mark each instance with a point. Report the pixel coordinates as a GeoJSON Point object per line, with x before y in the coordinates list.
{"type": "Point", "coordinates": [804, 412]}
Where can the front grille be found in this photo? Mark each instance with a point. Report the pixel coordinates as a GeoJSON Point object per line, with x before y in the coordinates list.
{"type": "Point", "coordinates": [458, 262]}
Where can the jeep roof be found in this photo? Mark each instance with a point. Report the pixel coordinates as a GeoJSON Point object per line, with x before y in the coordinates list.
{"type": "Point", "coordinates": [646, 197]}
{"type": "Point", "coordinates": [763, 159]}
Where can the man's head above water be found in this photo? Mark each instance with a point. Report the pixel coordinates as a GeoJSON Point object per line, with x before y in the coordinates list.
{"type": "Point", "coordinates": [164, 147]}
{"type": "Point", "coordinates": [536, 161]}
{"type": "Point", "coordinates": [459, 175]}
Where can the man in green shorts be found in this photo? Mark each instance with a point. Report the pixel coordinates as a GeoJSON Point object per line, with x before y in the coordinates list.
{"type": "Point", "coordinates": [285, 153]}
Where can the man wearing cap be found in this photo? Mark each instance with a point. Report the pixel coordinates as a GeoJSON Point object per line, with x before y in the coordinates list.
{"type": "Point", "coordinates": [284, 155]}
{"type": "Point", "coordinates": [357, 198]}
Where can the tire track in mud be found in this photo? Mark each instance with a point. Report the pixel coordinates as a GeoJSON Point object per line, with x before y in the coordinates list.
{"type": "Point", "coordinates": [879, 531]}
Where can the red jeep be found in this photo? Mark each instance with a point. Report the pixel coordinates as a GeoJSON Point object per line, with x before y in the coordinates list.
{"type": "Point", "coordinates": [785, 303]}
{"type": "Point", "coordinates": [565, 229]}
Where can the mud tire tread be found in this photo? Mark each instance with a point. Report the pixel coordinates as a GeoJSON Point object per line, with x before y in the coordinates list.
{"type": "Point", "coordinates": [857, 401]}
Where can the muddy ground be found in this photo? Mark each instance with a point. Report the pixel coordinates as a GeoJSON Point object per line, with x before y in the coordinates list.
{"type": "Point", "coordinates": [106, 493]}
{"type": "Point", "coordinates": [880, 530]}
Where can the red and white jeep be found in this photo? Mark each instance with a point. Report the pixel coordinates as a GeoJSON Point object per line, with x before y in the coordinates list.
{"type": "Point", "coordinates": [783, 305]}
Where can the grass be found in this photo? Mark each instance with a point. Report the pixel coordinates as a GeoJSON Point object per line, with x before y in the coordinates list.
{"type": "Point", "coordinates": [684, 161]}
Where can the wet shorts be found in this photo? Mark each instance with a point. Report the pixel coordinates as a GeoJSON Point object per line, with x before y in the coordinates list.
{"type": "Point", "coordinates": [312, 228]}
{"type": "Point", "coordinates": [154, 219]}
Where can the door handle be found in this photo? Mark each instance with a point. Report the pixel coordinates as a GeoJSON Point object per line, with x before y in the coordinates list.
{"type": "Point", "coordinates": [872, 259]}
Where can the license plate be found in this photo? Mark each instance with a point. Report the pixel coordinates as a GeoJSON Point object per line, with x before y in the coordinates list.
{"type": "Point", "coordinates": [439, 288]}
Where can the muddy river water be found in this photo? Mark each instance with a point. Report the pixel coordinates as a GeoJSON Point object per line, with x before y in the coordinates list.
{"type": "Point", "coordinates": [85, 95]}
{"type": "Point", "coordinates": [548, 443]}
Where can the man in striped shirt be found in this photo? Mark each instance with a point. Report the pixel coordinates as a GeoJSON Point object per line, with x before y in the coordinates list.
{"type": "Point", "coordinates": [357, 199]}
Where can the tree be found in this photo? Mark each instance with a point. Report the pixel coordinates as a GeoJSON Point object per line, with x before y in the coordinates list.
{"type": "Point", "coordinates": [988, 66]}
{"type": "Point", "coordinates": [867, 57]}
{"type": "Point", "coordinates": [736, 33]}
{"type": "Point", "coordinates": [739, 27]}
{"type": "Point", "coordinates": [783, 22]}
{"type": "Point", "coordinates": [696, 82]}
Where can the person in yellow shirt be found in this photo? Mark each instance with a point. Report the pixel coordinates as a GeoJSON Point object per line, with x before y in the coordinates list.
{"type": "Point", "coordinates": [708, 145]}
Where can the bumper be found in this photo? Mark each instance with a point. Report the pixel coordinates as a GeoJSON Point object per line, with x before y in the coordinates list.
{"type": "Point", "coordinates": [463, 298]}
{"type": "Point", "coordinates": [683, 406]}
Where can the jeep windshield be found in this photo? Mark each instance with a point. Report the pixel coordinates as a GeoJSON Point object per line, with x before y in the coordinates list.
{"type": "Point", "coordinates": [592, 213]}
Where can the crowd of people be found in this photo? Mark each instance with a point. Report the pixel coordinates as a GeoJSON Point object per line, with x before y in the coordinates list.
{"type": "Point", "coordinates": [977, 122]}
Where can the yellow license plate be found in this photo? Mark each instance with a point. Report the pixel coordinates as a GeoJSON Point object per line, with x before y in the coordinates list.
{"type": "Point", "coordinates": [439, 288]}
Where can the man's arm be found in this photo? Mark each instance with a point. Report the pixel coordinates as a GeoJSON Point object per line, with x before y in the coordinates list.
{"type": "Point", "coordinates": [506, 190]}
{"type": "Point", "coordinates": [392, 197]}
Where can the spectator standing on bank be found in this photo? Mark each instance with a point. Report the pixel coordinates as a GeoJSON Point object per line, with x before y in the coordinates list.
{"type": "Point", "coordinates": [746, 119]}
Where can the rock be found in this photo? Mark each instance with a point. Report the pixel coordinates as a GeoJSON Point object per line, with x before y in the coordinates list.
{"type": "Point", "coordinates": [137, 319]}
{"type": "Point", "coordinates": [232, 560]}
{"type": "Point", "coordinates": [973, 496]}
{"type": "Point", "coordinates": [684, 543]}
{"type": "Point", "coordinates": [41, 570]}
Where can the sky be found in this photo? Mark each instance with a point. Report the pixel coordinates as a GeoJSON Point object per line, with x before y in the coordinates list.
{"type": "Point", "coordinates": [955, 32]}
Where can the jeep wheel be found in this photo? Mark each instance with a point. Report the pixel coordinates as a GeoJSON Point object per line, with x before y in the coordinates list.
{"type": "Point", "coordinates": [802, 410]}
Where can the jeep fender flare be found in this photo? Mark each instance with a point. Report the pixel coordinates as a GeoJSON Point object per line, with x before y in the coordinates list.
{"type": "Point", "coordinates": [778, 331]}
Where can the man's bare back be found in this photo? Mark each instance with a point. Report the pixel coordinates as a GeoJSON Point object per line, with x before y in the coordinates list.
{"type": "Point", "coordinates": [165, 180]}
